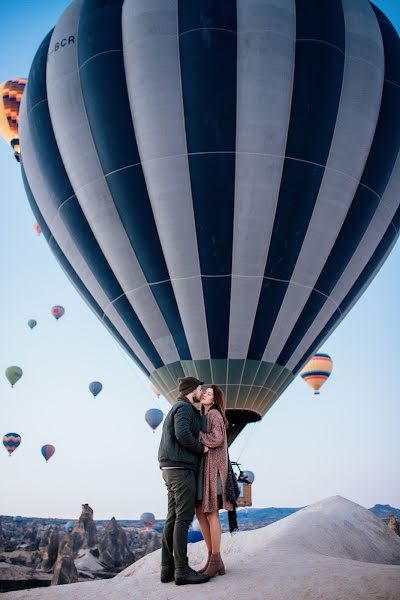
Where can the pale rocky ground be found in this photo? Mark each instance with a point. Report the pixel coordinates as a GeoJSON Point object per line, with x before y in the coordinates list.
{"type": "Point", "coordinates": [331, 550]}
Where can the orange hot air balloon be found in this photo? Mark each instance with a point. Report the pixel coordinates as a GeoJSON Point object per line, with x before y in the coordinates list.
{"type": "Point", "coordinates": [317, 371]}
{"type": "Point", "coordinates": [10, 101]}
{"type": "Point", "coordinates": [38, 229]}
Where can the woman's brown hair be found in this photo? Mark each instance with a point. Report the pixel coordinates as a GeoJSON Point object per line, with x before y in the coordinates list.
{"type": "Point", "coordinates": [219, 402]}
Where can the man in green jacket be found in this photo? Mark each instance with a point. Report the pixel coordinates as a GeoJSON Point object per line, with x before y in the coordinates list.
{"type": "Point", "coordinates": [178, 456]}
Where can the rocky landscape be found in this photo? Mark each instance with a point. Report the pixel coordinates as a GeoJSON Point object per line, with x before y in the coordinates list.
{"type": "Point", "coordinates": [331, 550]}
{"type": "Point", "coordinates": [40, 552]}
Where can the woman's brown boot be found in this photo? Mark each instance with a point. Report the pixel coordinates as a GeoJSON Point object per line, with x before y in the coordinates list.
{"type": "Point", "coordinates": [215, 566]}
{"type": "Point", "coordinates": [203, 570]}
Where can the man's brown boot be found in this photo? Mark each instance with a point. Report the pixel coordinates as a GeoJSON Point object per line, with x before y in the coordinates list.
{"type": "Point", "coordinates": [215, 566]}
{"type": "Point", "coordinates": [204, 569]}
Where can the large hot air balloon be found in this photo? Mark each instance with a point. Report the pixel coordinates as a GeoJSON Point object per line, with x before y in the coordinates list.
{"type": "Point", "coordinates": [10, 100]}
{"type": "Point", "coordinates": [13, 374]}
{"type": "Point", "coordinates": [317, 371]}
{"type": "Point", "coordinates": [148, 519]}
{"type": "Point", "coordinates": [154, 417]}
{"type": "Point", "coordinates": [57, 312]}
{"type": "Point", "coordinates": [95, 387]}
{"type": "Point", "coordinates": [11, 441]}
{"type": "Point", "coordinates": [32, 323]}
{"type": "Point", "coordinates": [47, 451]}
{"type": "Point", "coordinates": [219, 180]}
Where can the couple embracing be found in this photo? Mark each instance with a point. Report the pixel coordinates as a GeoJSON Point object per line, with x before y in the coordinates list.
{"type": "Point", "coordinates": [193, 456]}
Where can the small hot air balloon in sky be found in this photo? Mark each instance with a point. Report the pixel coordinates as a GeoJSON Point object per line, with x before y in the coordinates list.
{"type": "Point", "coordinates": [57, 311]}
{"type": "Point", "coordinates": [148, 519]}
{"type": "Point", "coordinates": [95, 387]}
{"type": "Point", "coordinates": [69, 526]}
{"type": "Point", "coordinates": [317, 371]}
{"type": "Point", "coordinates": [38, 229]}
{"type": "Point", "coordinates": [18, 519]}
{"type": "Point", "coordinates": [248, 476]}
{"type": "Point", "coordinates": [47, 451]}
{"type": "Point", "coordinates": [10, 100]}
{"type": "Point", "coordinates": [155, 390]}
{"type": "Point", "coordinates": [11, 441]}
{"type": "Point", "coordinates": [153, 417]}
{"type": "Point", "coordinates": [32, 323]}
{"type": "Point", "coordinates": [13, 374]}
{"type": "Point", "coordinates": [194, 536]}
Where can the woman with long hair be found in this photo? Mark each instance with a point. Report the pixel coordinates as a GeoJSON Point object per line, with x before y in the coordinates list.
{"type": "Point", "coordinates": [213, 476]}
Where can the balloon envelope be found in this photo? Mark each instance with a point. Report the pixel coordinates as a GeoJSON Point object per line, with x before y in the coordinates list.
{"type": "Point", "coordinates": [11, 441]}
{"type": "Point", "coordinates": [13, 374]}
{"type": "Point", "coordinates": [317, 371]}
{"type": "Point", "coordinates": [32, 323]}
{"type": "Point", "coordinates": [47, 451]}
{"type": "Point", "coordinates": [95, 387]}
{"type": "Point", "coordinates": [194, 536]}
{"type": "Point", "coordinates": [69, 526]}
{"type": "Point", "coordinates": [57, 312]}
{"type": "Point", "coordinates": [148, 519]}
{"type": "Point", "coordinates": [38, 229]}
{"type": "Point", "coordinates": [10, 101]}
{"type": "Point", "coordinates": [266, 181]}
{"type": "Point", "coordinates": [17, 519]}
{"type": "Point", "coordinates": [154, 417]}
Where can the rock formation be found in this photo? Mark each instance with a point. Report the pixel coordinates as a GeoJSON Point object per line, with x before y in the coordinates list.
{"type": "Point", "coordinates": [84, 535]}
{"type": "Point", "coordinates": [114, 550]}
{"type": "Point", "coordinates": [1, 538]}
{"type": "Point", "coordinates": [30, 540]}
{"type": "Point", "coordinates": [50, 550]}
{"type": "Point", "coordinates": [394, 525]}
{"type": "Point", "coordinates": [65, 570]}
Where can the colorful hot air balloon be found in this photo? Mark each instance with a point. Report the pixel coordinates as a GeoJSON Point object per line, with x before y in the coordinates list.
{"type": "Point", "coordinates": [69, 527]}
{"type": "Point", "coordinates": [10, 100]}
{"type": "Point", "coordinates": [265, 174]}
{"type": "Point", "coordinates": [148, 519]}
{"type": "Point", "coordinates": [47, 451]}
{"type": "Point", "coordinates": [57, 312]}
{"type": "Point", "coordinates": [317, 371]}
{"type": "Point", "coordinates": [95, 387]}
{"type": "Point", "coordinates": [248, 476]}
{"type": "Point", "coordinates": [38, 229]}
{"type": "Point", "coordinates": [11, 441]}
{"type": "Point", "coordinates": [13, 374]}
{"type": "Point", "coordinates": [194, 536]}
{"type": "Point", "coordinates": [32, 323]}
{"type": "Point", "coordinates": [154, 417]}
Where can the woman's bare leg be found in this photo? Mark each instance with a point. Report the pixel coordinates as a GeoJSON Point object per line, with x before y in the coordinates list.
{"type": "Point", "coordinates": [215, 531]}
{"type": "Point", "coordinates": [204, 526]}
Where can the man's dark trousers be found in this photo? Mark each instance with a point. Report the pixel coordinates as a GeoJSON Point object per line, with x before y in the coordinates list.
{"type": "Point", "coordinates": [181, 484]}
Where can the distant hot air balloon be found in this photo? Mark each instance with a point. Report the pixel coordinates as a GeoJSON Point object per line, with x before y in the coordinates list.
{"type": "Point", "coordinates": [257, 224]}
{"type": "Point", "coordinates": [148, 519]}
{"type": "Point", "coordinates": [18, 519]}
{"type": "Point", "coordinates": [47, 451]}
{"type": "Point", "coordinates": [10, 100]}
{"type": "Point", "coordinates": [248, 476]}
{"type": "Point", "coordinates": [32, 323]}
{"type": "Point", "coordinates": [69, 527]}
{"type": "Point", "coordinates": [11, 441]}
{"type": "Point", "coordinates": [38, 229]}
{"type": "Point", "coordinates": [155, 390]}
{"type": "Point", "coordinates": [95, 387]}
{"type": "Point", "coordinates": [57, 311]}
{"type": "Point", "coordinates": [153, 417]}
{"type": "Point", "coordinates": [194, 536]}
{"type": "Point", "coordinates": [317, 371]}
{"type": "Point", "coordinates": [13, 374]}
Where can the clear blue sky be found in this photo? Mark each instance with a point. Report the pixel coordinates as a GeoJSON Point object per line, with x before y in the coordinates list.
{"type": "Point", "coordinates": [345, 441]}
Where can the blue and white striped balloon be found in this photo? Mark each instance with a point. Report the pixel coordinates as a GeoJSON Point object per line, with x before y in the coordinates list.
{"type": "Point", "coordinates": [219, 180]}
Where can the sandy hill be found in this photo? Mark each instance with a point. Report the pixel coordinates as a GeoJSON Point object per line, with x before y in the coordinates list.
{"type": "Point", "coordinates": [331, 550]}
